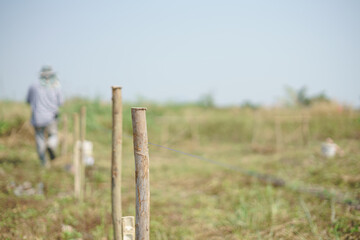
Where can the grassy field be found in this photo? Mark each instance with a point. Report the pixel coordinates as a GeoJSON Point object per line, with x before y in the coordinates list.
{"type": "Point", "coordinates": [191, 198]}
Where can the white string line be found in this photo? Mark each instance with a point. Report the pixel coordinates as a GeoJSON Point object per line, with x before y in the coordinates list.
{"type": "Point", "coordinates": [321, 193]}
{"type": "Point", "coordinates": [277, 182]}
{"type": "Point", "coordinates": [265, 177]}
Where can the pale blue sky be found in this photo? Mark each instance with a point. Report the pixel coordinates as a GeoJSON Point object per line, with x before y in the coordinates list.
{"type": "Point", "coordinates": [179, 50]}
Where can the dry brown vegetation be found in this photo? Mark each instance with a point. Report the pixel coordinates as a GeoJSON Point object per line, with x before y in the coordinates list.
{"type": "Point", "coordinates": [190, 198]}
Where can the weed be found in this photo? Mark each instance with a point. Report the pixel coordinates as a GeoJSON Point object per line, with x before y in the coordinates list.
{"type": "Point", "coordinates": [190, 198]}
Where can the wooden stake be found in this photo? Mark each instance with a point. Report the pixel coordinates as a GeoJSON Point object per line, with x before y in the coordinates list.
{"type": "Point", "coordinates": [141, 153]}
{"type": "Point", "coordinates": [116, 161]}
{"type": "Point", "coordinates": [82, 152]}
{"type": "Point", "coordinates": [76, 157]}
{"type": "Point", "coordinates": [64, 145]}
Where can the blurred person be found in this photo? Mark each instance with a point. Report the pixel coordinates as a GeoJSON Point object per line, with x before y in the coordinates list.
{"type": "Point", "coordinates": [45, 98]}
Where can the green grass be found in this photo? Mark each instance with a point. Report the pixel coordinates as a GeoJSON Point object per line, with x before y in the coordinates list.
{"type": "Point", "coordinates": [190, 198]}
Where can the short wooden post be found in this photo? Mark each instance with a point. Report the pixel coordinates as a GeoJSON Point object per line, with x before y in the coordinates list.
{"type": "Point", "coordinates": [141, 153]}
{"type": "Point", "coordinates": [116, 161]}
{"type": "Point", "coordinates": [64, 145]}
{"type": "Point", "coordinates": [128, 226]}
{"type": "Point", "coordinates": [76, 156]}
{"type": "Point", "coordinates": [82, 152]}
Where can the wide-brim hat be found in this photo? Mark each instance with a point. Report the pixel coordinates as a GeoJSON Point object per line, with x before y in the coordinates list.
{"type": "Point", "coordinates": [47, 72]}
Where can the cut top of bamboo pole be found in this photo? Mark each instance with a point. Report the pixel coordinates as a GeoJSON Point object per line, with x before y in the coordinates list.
{"type": "Point", "coordinates": [140, 138]}
{"type": "Point", "coordinates": [138, 109]}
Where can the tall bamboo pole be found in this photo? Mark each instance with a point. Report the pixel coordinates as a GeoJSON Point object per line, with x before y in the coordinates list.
{"type": "Point", "coordinates": [116, 161]}
{"type": "Point", "coordinates": [76, 157]}
{"type": "Point", "coordinates": [141, 154]}
{"type": "Point", "coordinates": [64, 145]}
{"type": "Point", "coordinates": [82, 152]}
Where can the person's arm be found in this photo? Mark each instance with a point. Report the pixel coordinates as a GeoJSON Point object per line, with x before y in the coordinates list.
{"type": "Point", "coordinates": [29, 95]}
{"type": "Point", "coordinates": [60, 98]}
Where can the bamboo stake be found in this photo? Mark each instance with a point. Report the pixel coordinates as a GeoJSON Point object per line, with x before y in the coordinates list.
{"type": "Point", "coordinates": [116, 161]}
{"type": "Point", "coordinates": [141, 154]}
{"type": "Point", "coordinates": [82, 153]}
{"type": "Point", "coordinates": [64, 145]}
{"type": "Point", "coordinates": [76, 157]}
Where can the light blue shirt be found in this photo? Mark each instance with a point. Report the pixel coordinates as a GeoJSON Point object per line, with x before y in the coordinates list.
{"type": "Point", "coordinates": [45, 102]}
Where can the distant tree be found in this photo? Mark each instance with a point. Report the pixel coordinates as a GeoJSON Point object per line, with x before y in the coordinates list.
{"type": "Point", "coordinates": [300, 97]}
{"type": "Point", "coordinates": [321, 97]}
{"type": "Point", "coordinates": [296, 97]}
{"type": "Point", "coordinates": [206, 100]}
{"type": "Point", "coordinates": [249, 104]}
